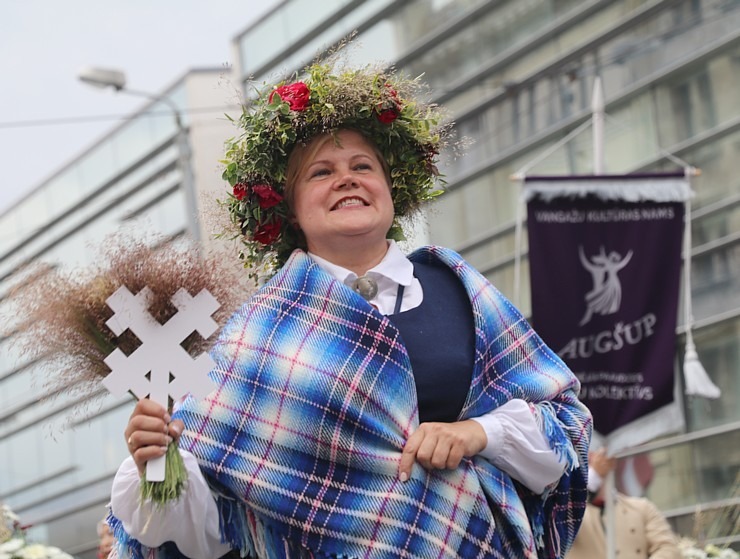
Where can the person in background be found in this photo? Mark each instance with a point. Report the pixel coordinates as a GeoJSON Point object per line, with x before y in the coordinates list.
{"type": "Point", "coordinates": [105, 539]}
{"type": "Point", "coordinates": [369, 404]}
{"type": "Point", "coordinates": [642, 532]}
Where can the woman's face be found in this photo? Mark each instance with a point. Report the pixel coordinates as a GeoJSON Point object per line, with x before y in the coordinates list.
{"type": "Point", "coordinates": [106, 543]}
{"type": "Point", "coordinates": [342, 198]}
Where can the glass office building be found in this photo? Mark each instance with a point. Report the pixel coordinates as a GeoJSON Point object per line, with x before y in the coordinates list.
{"type": "Point", "coordinates": [517, 77]}
{"type": "Point", "coordinates": [55, 476]}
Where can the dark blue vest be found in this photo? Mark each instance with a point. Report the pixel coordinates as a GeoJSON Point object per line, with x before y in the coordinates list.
{"type": "Point", "coordinates": [439, 335]}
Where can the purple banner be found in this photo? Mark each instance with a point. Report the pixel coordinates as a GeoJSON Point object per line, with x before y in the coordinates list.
{"type": "Point", "coordinates": [605, 280]}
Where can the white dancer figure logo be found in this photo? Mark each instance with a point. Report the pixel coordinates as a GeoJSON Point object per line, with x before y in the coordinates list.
{"type": "Point", "coordinates": [150, 368]}
{"type": "Point", "coordinates": [606, 295]}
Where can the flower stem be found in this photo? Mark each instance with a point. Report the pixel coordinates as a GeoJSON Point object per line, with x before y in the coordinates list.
{"type": "Point", "coordinates": [175, 477]}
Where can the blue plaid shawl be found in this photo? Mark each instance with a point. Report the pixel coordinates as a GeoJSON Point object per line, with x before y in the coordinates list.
{"type": "Point", "coordinates": [303, 437]}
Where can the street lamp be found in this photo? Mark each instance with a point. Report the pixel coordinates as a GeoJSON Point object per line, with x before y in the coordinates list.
{"type": "Point", "coordinates": [106, 77]}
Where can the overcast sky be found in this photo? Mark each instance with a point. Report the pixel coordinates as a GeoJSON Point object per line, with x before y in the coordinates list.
{"type": "Point", "coordinates": [44, 44]}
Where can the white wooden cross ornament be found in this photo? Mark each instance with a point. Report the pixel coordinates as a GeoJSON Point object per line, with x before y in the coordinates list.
{"type": "Point", "coordinates": [160, 367]}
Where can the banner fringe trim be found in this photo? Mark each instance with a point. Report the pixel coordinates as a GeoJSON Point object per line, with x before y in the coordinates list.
{"type": "Point", "coordinates": [676, 190]}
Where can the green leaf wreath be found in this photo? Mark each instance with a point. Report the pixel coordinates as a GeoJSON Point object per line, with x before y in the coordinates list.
{"type": "Point", "coordinates": [385, 107]}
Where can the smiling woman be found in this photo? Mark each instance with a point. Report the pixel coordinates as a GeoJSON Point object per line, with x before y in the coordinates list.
{"type": "Point", "coordinates": [341, 201]}
{"type": "Point", "coordinates": [279, 131]}
{"type": "Point", "coordinates": [420, 418]}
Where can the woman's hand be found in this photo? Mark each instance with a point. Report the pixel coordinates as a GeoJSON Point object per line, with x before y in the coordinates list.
{"type": "Point", "coordinates": [442, 445]}
{"type": "Point", "coordinates": [601, 463]}
{"type": "Point", "coordinates": [149, 431]}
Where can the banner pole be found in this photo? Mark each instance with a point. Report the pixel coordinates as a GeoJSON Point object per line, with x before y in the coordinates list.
{"type": "Point", "coordinates": [597, 129]}
{"type": "Point", "coordinates": [518, 242]}
{"type": "Point", "coordinates": [597, 125]}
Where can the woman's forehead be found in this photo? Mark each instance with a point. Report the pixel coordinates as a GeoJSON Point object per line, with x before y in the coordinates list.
{"type": "Point", "coordinates": [340, 140]}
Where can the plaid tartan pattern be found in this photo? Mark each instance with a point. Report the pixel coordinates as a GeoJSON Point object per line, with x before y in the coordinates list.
{"type": "Point", "coordinates": [315, 401]}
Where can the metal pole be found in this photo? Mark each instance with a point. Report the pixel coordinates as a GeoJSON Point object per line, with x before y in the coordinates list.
{"type": "Point", "coordinates": [188, 180]}
{"type": "Point", "coordinates": [610, 495]}
{"type": "Point", "coordinates": [597, 121]}
{"type": "Point", "coordinates": [184, 162]}
{"type": "Point", "coordinates": [518, 244]}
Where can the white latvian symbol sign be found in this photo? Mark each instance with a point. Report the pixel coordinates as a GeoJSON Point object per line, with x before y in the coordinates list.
{"type": "Point", "coordinates": [160, 367]}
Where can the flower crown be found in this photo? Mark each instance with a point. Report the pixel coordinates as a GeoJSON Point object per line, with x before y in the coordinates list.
{"type": "Point", "coordinates": [381, 105]}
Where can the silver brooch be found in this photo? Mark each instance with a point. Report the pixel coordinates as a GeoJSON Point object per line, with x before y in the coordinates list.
{"type": "Point", "coordinates": [366, 286]}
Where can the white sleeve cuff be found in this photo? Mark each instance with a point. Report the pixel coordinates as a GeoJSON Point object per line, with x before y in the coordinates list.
{"type": "Point", "coordinates": [517, 446]}
{"type": "Point", "coordinates": [594, 480]}
{"type": "Point", "coordinates": [191, 522]}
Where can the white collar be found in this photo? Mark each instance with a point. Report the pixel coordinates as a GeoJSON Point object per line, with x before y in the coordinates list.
{"type": "Point", "coordinates": [394, 266]}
